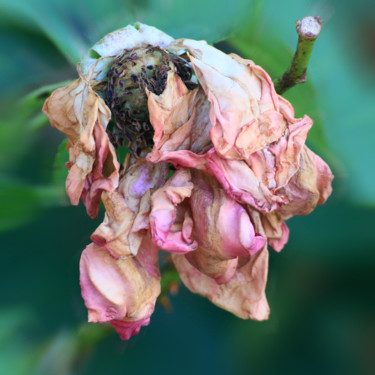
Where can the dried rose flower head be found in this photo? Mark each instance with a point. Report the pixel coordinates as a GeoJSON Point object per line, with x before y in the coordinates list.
{"type": "Point", "coordinates": [217, 162]}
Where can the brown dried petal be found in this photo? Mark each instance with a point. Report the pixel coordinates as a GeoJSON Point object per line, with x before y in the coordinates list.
{"type": "Point", "coordinates": [78, 112]}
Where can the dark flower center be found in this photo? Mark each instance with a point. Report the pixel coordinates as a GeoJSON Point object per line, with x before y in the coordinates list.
{"type": "Point", "coordinates": [132, 72]}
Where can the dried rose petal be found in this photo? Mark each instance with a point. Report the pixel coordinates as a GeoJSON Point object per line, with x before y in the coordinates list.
{"type": "Point", "coordinates": [309, 187]}
{"type": "Point", "coordinates": [81, 114]}
{"type": "Point", "coordinates": [122, 292]}
{"type": "Point", "coordinates": [244, 113]}
{"type": "Point", "coordinates": [243, 296]}
{"type": "Point", "coordinates": [242, 170]}
{"type": "Point", "coordinates": [170, 222]}
{"type": "Point", "coordinates": [222, 228]}
{"type": "Point", "coordinates": [181, 123]}
{"type": "Point", "coordinates": [126, 220]}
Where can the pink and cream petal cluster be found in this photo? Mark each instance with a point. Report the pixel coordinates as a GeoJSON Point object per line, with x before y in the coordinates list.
{"type": "Point", "coordinates": [240, 168]}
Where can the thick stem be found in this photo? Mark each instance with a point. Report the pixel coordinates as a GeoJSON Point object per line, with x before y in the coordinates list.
{"type": "Point", "coordinates": [308, 30]}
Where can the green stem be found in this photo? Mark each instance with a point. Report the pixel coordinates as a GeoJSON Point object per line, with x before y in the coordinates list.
{"type": "Point", "coordinates": [308, 30]}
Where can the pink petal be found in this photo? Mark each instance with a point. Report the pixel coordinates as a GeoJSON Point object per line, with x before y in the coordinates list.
{"type": "Point", "coordinates": [181, 122]}
{"type": "Point", "coordinates": [82, 115]}
{"type": "Point", "coordinates": [243, 296]}
{"type": "Point", "coordinates": [104, 175]}
{"type": "Point", "coordinates": [127, 329]}
{"type": "Point", "coordinates": [245, 113]}
{"type": "Point", "coordinates": [309, 187]}
{"type": "Point", "coordinates": [222, 228]}
{"type": "Point", "coordinates": [170, 224]}
{"type": "Point", "coordinates": [122, 292]}
{"type": "Point", "coordinates": [272, 226]}
{"type": "Point", "coordinates": [127, 209]}
{"type": "Point", "coordinates": [275, 165]}
{"type": "Point", "coordinates": [240, 182]}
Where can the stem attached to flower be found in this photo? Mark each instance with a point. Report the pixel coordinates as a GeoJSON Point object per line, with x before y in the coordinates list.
{"type": "Point", "coordinates": [308, 30]}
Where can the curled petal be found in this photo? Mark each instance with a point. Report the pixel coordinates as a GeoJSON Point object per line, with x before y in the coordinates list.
{"type": "Point", "coordinates": [309, 187]}
{"type": "Point", "coordinates": [82, 115]}
{"type": "Point", "coordinates": [122, 292]}
{"type": "Point", "coordinates": [127, 208]}
{"type": "Point", "coordinates": [181, 122]}
{"type": "Point", "coordinates": [222, 228]}
{"type": "Point", "coordinates": [170, 222]}
{"type": "Point", "coordinates": [271, 226]}
{"type": "Point", "coordinates": [129, 328]}
{"type": "Point", "coordinates": [244, 111]}
{"type": "Point", "coordinates": [243, 296]}
{"type": "Point", "coordinates": [276, 164]}
{"type": "Point", "coordinates": [241, 183]}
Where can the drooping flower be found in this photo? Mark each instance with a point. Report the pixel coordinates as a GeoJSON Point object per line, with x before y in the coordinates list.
{"type": "Point", "coordinates": [237, 161]}
{"type": "Point", "coordinates": [123, 291]}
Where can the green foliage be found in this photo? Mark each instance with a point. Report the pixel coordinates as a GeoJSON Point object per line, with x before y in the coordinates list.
{"type": "Point", "coordinates": [14, 346]}
{"type": "Point", "coordinates": [60, 171]}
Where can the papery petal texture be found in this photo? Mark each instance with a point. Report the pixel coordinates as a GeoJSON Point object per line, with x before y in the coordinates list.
{"type": "Point", "coordinates": [244, 113]}
{"type": "Point", "coordinates": [181, 122]}
{"type": "Point", "coordinates": [122, 292]}
{"type": "Point", "coordinates": [272, 226]}
{"type": "Point", "coordinates": [309, 187]}
{"type": "Point", "coordinates": [243, 296]}
{"type": "Point", "coordinates": [127, 208]}
{"type": "Point", "coordinates": [240, 182]}
{"type": "Point", "coordinates": [222, 229]}
{"type": "Point", "coordinates": [78, 112]}
{"type": "Point", "coordinates": [171, 224]}
{"type": "Point", "coordinates": [217, 164]}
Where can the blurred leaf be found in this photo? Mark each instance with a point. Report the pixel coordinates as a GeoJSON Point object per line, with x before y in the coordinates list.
{"type": "Point", "coordinates": [21, 203]}
{"type": "Point", "coordinates": [74, 26]}
{"type": "Point", "coordinates": [68, 350]}
{"type": "Point", "coordinates": [169, 278]}
{"type": "Point", "coordinates": [19, 124]}
{"type": "Point", "coordinates": [13, 345]}
{"type": "Point", "coordinates": [54, 19]}
{"type": "Point", "coordinates": [60, 171]}
{"type": "Point", "coordinates": [210, 20]}
{"type": "Point", "coordinates": [35, 100]}
{"type": "Point", "coordinates": [28, 58]}
{"type": "Point", "coordinates": [41, 94]}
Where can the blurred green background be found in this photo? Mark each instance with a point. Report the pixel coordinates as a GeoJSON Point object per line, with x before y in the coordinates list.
{"type": "Point", "coordinates": [321, 286]}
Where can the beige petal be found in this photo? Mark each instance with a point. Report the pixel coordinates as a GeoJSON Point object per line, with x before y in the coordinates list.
{"type": "Point", "coordinates": [127, 209]}
{"type": "Point", "coordinates": [122, 292]}
{"type": "Point", "coordinates": [272, 226]}
{"type": "Point", "coordinates": [222, 229]}
{"type": "Point", "coordinates": [78, 112]}
{"type": "Point", "coordinates": [243, 296]}
{"type": "Point", "coordinates": [170, 221]}
{"type": "Point", "coordinates": [309, 187]}
{"type": "Point", "coordinates": [244, 111]}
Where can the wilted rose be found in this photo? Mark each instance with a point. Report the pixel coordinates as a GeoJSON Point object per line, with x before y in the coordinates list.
{"type": "Point", "coordinates": [237, 162]}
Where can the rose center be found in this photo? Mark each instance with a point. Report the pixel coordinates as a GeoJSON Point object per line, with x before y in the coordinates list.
{"type": "Point", "coordinates": [132, 72]}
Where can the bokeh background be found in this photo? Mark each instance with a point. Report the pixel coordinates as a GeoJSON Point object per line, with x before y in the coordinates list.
{"type": "Point", "coordinates": [321, 286]}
